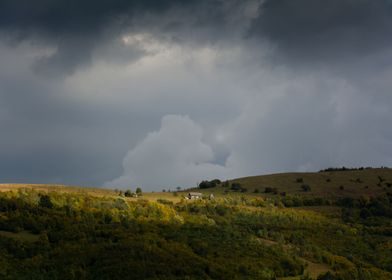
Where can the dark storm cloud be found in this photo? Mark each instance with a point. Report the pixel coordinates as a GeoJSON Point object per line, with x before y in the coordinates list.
{"type": "Point", "coordinates": [319, 30]}
{"type": "Point", "coordinates": [72, 16]}
{"type": "Point", "coordinates": [76, 28]}
{"type": "Point", "coordinates": [191, 89]}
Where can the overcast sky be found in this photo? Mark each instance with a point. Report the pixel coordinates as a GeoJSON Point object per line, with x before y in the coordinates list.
{"type": "Point", "coordinates": [161, 94]}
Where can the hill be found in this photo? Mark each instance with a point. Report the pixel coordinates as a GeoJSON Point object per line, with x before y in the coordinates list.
{"type": "Point", "coordinates": [324, 233]}
{"type": "Point", "coordinates": [329, 184]}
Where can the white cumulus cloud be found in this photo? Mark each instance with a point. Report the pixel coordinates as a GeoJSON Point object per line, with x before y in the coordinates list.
{"type": "Point", "coordinates": [173, 156]}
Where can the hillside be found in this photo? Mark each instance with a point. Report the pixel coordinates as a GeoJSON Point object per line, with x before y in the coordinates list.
{"type": "Point", "coordinates": [63, 232]}
{"type": "Point", "coordinates": [330, 184]}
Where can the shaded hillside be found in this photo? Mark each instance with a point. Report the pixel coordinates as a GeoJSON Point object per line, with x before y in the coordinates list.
{"type": "Point", "coordinates": [367, 182]}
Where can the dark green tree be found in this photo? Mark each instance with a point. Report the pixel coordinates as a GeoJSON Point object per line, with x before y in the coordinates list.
{"type": "Point", "coordinates": [45, 201]}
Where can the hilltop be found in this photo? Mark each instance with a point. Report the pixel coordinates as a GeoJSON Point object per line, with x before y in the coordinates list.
{"type": "Point", "coordinates": [329, 184]}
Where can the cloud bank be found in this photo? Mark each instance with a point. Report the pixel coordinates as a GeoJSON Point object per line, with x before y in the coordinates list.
{"type": "Point", "coordinates": [168, 93]}
{"type": "Point", "coordinates": [171, 157]}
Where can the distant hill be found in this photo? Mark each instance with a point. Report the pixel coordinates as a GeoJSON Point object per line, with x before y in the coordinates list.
{"type": "Point", "coordinates": [333, 184]}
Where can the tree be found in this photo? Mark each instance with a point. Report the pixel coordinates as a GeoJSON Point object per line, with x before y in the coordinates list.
{"type": "Point", "coordinates": [45, 201]}
{"type": "Point", "coordinates": [128, 193]}
{"type": "Point", "coordinates": [139, 191]}
{"type": "Point", "coordinates": [206, 184]}
{"type": "Point", "coordinates": [209, 184]}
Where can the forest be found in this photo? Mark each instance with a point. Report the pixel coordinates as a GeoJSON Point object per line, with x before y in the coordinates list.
{"type": "Point", "coordinates": [52, 234]}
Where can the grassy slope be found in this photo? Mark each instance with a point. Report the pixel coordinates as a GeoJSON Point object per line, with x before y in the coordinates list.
{"type": "Point", "coordinates": [58, 188]}
{"type": "Point", "coordinates": [355, 183]}
{"type": "Point", "coordinates": [327, 184]}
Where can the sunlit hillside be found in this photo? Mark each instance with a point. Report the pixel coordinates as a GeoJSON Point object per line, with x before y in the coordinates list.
{"type": "Point", "coordinates": [242, 232]}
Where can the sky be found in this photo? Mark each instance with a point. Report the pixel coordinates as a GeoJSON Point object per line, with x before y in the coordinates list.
{"type": "Point", "coordinates": [165, 94]}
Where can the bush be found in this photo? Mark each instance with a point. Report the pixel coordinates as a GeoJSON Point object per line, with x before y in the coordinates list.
{"type": "Point", "coordinates": [128, 193]}
{"type": "Point", "coordinates": [236, 187]}
{"type": "Point", "coordinates": [306, 188]}
{"type": "Point", "coordinates": [271, 190]}
{"type": "Point", "coordinates": [209, 184]}
{"type": "Point", "coordinates": [299, 180]}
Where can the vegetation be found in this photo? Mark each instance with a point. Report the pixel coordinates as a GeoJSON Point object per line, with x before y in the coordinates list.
{"type": "Point", "coordinates": [355, 182]}
{"type": "Point", "coordinates": [73, 233]}
{"type": "Point", "coordinates": [209, 184]}
{"type": "Point", "coordinates": [306, 188]}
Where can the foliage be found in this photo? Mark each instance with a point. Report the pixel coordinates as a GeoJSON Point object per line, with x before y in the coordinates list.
{"type": "Point", "coordinates": [53, 235]}
{"type": "Point", "coordinates": [128, 193]}
{"type": "Point", "coordinates": [209, 184]}
{"type": "Point", "coordinates": [237, 187]}
{"type": "Point", "coordinates": [271, 190]}
{"type": "Point", "coordinates": [306, 188]}
{"type": "Point", "coordinates": [45, 201]}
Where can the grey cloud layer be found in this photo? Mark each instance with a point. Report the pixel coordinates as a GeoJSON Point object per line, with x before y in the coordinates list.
{"type": "Point", "coordinates": [76, 29]}
{"type": "Point", "coordinates": [323, 30]}
{"type": "Point", "coordinates": [167, 93]}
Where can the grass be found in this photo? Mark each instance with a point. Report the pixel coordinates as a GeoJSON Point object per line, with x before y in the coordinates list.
{"type": "Point", "coordinates": [326, 184]}
{"type": "Point", "coordinates": [58, 188]}
{"type": "Point", "coordinates": [333, 184]}
{"type": "Point", "coordinates": [21, 236]}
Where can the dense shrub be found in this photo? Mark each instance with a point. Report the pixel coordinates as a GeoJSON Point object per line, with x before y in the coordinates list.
{"type": "Point", "coordinates": [45, 201]}
{"type": "Point", "coordinates": [271, 190]}
{"type": "Point", "coordinates": [209, 184]}
{"type": "Point", "coordinates": [306, 188]}
{"type": "Point", "coordinates": [236, 187]}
